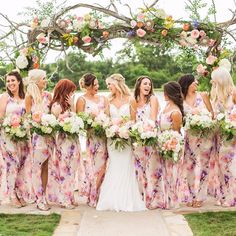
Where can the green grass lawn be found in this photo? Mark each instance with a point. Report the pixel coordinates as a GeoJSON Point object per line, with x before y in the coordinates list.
{"type": "Point", "coordinates": [28, 225]}
{"type": "Point", "coordinates": [213, 223]}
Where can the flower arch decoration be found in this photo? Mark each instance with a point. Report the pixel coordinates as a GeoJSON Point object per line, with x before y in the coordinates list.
{"type": "Point", "coordinates": [93, 31]}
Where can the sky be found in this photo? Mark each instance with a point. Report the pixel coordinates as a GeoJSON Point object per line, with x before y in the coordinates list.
{"type": "Point", "coordinates": [171, 7]}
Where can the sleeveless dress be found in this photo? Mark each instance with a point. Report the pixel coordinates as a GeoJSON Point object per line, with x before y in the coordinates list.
{"type": "Point", "coordinates": [226, 162]}
{"type": "Point", "coordinates": [171, 169]}
{"type": "Point", "coordinates": [119, 190]}
{"type": "Point", "coordinates": [63, 169]}
{"type": "Point", "coordinates": [16, 169]}
{"type": "Point", "coordinates": [149, 168]}
{"type": "Point", "coordinates": [42, 150]}
{"type": "Point", "coordinates": [95, 163]}
{"type": "Point", "coordinates": [198, 152]}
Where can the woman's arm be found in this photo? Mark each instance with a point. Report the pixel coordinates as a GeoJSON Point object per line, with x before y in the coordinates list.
{"type": "Point", "coordinates": [207, 102]}
{"type": "Point", "coordinates": [107, 109]}
{"type": "Point", "coordinates": [80, 105]}
{"type": "Point", "coordinates": [28, 103]}
{"type": "Point", "coordinates": [176, 118]}
{"type": "Point", "coordinates": [154, 108]}
{"type": "Point", "coordinates": [133, 109]}
{"type": "Point", "coordinates": [3, 102]}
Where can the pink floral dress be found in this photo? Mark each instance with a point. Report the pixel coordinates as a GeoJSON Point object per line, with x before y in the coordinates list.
{"type": "Point", "coordinates": [62, 171]}
{"type": "Point", "coordinates": [226, 163]}
{"type": "Point", "coordinates": [196, 162]}
{"type": "Point", "coordinates": [42, 150]}
{"type": "Point", "coordinates": [95, 163]}
{"type": "Point", "coordinates": [16, 165]}
{"type": "Point", "coordinates": [171, 169]}
{"type": "Point", "coordinates": [149, 168]}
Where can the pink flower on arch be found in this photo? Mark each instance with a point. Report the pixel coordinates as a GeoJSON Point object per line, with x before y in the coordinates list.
{"type": "Point", "coordinates": [195, 33]}
{"type": "Point", "coordinates": [87, 39]}
{"type": "Point", "coordinates": [211, 60]}
{"type": "Point", "coordinates": [141, 32]}
{"type": "Point", "coordinates": [201, 69]}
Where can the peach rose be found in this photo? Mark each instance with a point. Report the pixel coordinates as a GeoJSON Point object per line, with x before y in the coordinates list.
{"type": "Point", "coordinates": [15, 121]}
{"type": "Point", "coordinates": [164, 32]}
{"type": "Point", "coordinates": [186, 26]}
{"type": "Point", "coordinates": [36, 116]}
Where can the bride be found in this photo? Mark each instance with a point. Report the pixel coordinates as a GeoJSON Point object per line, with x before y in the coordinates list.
{"type": "Point", "coordinates": [119, 190]}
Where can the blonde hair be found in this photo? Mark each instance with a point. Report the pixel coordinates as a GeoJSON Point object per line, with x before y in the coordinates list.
{"type": "Point", "coordinates": [223, 86]}
{"type": "Point", "coordinates": [119, 81]}
{"type": "Point", "coordinates": [32, 88]}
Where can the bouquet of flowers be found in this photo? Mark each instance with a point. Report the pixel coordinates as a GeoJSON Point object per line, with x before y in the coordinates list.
{"type": "Point", "coordinates": [119, 133]}
{"type": "Point", "coordinates": [96, 124]}
{"type": "Point", "coordinates": [70, 124]}
{"type": "Point", "coordinates": [227, 124]}
{"type": "Point", "coordinates": [43, 124]}
{"type": "Point", "coordinates": [199, 122]}
{"type": "Point", "coordinates": [15, 127]}
{"type": "Point", "coordinates": [144, 133]}
{"type": "Point", "coordinates": [170, 144]}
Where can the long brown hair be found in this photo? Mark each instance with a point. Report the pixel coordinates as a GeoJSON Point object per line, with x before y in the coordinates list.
{"type": "Point", "coordinates": [137, 88]}
{"type": "Point", "coordinates": [62, 89]}
{"type": "Point", "coordinates": [21, 91]}
{"type": "Point", "coordinates": [173, 91]}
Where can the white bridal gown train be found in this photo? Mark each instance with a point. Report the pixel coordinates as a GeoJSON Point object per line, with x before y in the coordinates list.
{"type": "Point", "coordinates": [119, 190]}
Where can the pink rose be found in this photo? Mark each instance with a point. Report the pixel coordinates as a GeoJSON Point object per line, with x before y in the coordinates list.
{"type": "Point", "coordinates": [86, 39]}
{"type": "Point", "coordinates": [24, 51]}
{"type": "Point", "coordinates": [202, 33]}
{"type": "Point", "coordinates": [15, 121]}
{"type": "Point", "coordinates": [211, 59]}
{"type": "Point", "coordinates": [36, 116]}
{"type": "Point", "coordinates": [140, 17]}
{"type": "Point", "coordinates": [195, 33]}
{"type": "Point", "coordinates": [201, 69]}
{"type": "Point", "coordinates": [42, 38]}
{"type": "Point", "coordinates": [141, 32]}
{"type": "Point", "coordinates": [133, 23]}
{"type": "Point", "coordinates": [211, 42]}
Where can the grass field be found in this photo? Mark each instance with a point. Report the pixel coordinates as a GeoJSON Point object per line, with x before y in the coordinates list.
{"type": "Point", "coordinates": [213, 223]}
{"type": "Point", "coordinates": [28, 225]}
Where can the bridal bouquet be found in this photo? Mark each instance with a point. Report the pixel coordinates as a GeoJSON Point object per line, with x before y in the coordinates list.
{"type": "Point", "coordinates": [119, 133]}
{"type": "Point", "coordinates": [144, 133]}
{"type": "Point", "coordinates": [15, 127]}
{"type": "Point", "coordinates": [170, 144]}
{"type": "Point", "coordinates": [96, 124]}
{"type": "Point", "coordinates": [70, 124]}
{"type": "Point", "coordinates": [200, 122]}
{"type": "Point", "coordinates": [43, 124]}
{"type": "Point", "coordinates": [227, 124]}
{"type": "Point", "coordinates": [100, 123]}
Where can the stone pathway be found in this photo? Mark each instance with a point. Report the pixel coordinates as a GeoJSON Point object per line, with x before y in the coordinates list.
{"type": "Point", "coordinates": [86, 221]}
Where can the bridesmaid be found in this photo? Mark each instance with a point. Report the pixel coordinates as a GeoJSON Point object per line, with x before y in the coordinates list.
{"type": "Point", "coordinates": [198, 150]}
{"type": "Point", "coordinates": [95, 165]}
{"type": "Point", "coordinates": [38, 100]}
{"type": "Point", "coordinates": [149, 168]}
{"type": "Point", "coordinates": [67, 149]}
{"type": "Point", "coordinates": [223, 94]}
{"type": "Point", "coordinates": [171, 119]}
{"type": "Point", "coordinates": [15, 169]}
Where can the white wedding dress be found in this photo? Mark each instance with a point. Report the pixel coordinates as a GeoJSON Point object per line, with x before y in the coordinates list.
{"type": "Point", "coordinates": [119, 190]}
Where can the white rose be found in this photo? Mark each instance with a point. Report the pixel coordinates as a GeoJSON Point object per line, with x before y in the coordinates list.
{"type": "Point", "coordinates": [21, 62]}
{"type": "Point", "coordinates": [45, 22]}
